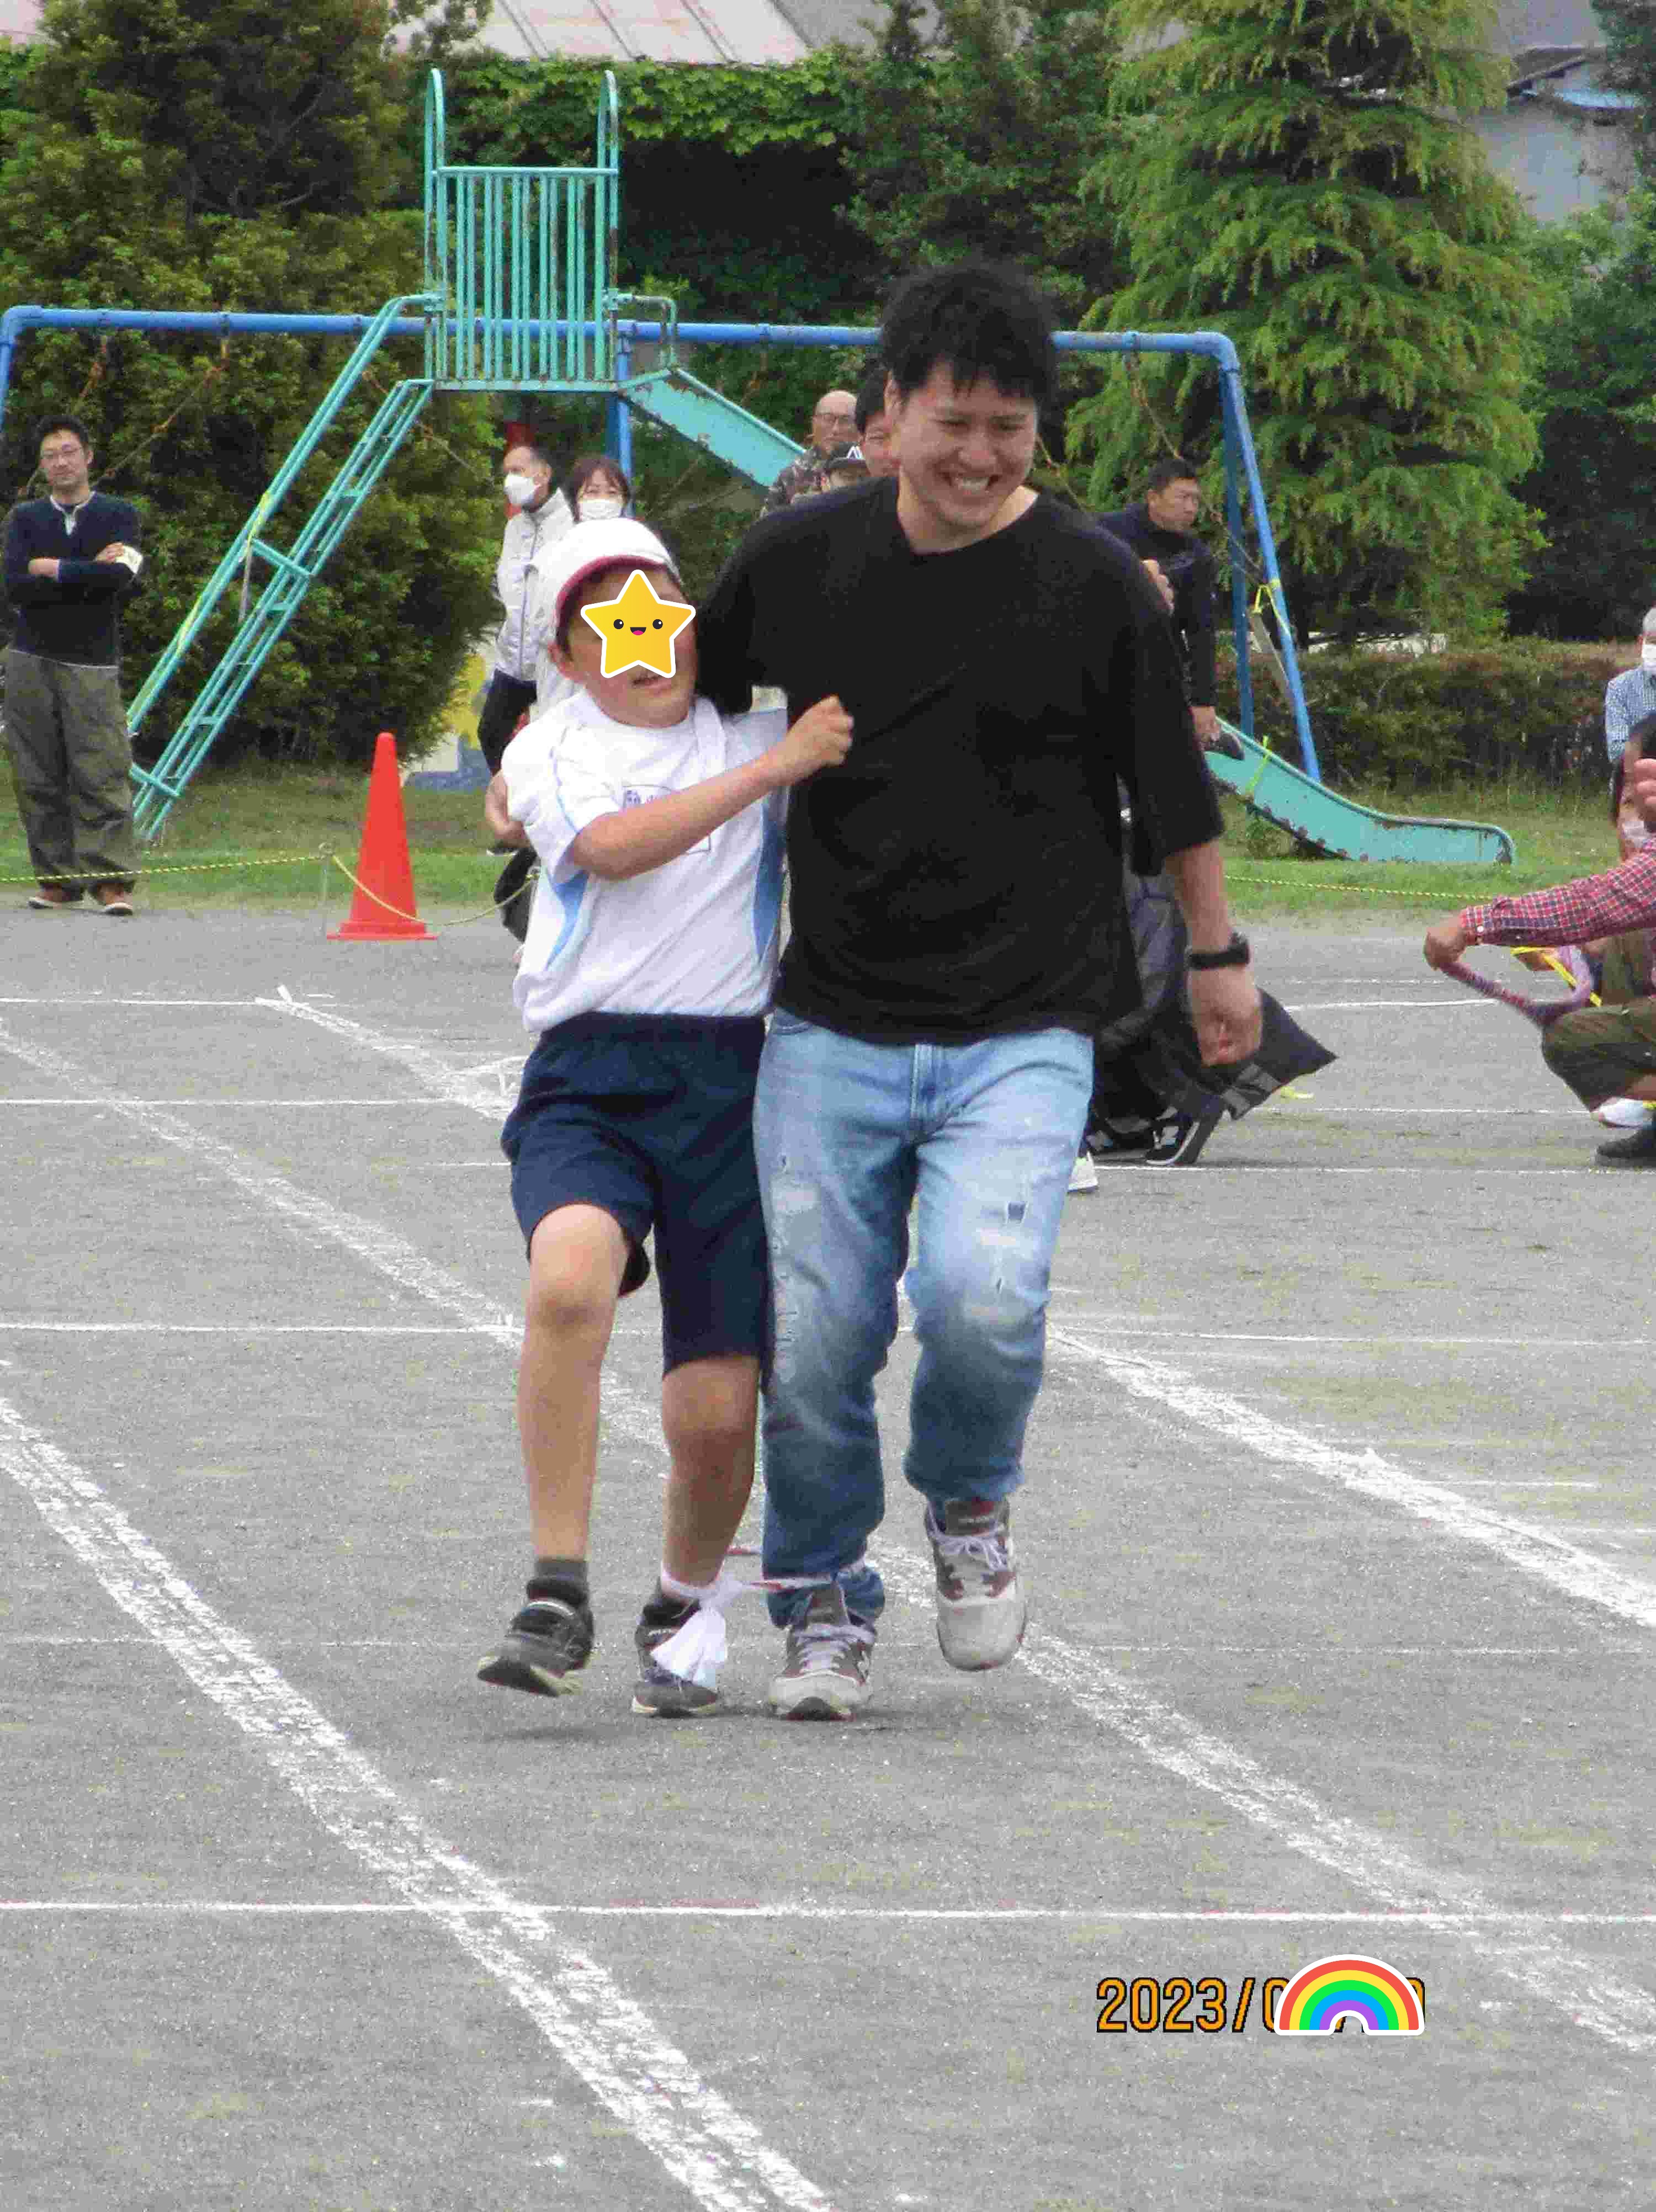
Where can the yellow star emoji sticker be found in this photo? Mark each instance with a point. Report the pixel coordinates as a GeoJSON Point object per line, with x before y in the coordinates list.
{"type": "Point", "coordinates": [638, 628]}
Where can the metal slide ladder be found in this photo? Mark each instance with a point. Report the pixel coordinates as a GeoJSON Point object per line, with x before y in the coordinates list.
{"type": "Point", "coordinates": [292, 572]}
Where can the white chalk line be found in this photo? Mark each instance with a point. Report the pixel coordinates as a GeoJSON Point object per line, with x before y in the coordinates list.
{"type": "Point", "coordinates": [313, 1219]}
{"type": "Point", "coordinates": [479, 1088]}
{"type": "Point", "coordinates": [1123, 1325]}
{"type": "Point", "coordinates": [1462, 1170]}
{"type": "Point", "coordinates": [1286, 1106]}
{"type": "Point", "coordinates": [95, 1000]}
{"type": "Point", "coordinates": [1218, 1916]}
{"type": "Point", "coordinates": [1617, 2012]}
{"type": "Point", "coordinates": [1539, 1553]}
{"type": "Point", "coordinates": [9, 1328]}
{"type": "Point", "coordinates": [606, 2039]}
{"type": "Point", "coordinates": [1467, 1005]}
{"type": "Point", "coordinates": [1624, 2016]}
{"type": "Point", "coordinates": [1327, 1653]}
{"type": "Point", "coordinates": [100, 1102]}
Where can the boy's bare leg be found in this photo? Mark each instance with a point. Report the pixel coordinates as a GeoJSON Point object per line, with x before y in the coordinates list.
{"type": "Point", "coordinates": [576, 1258]}
{"type": "Point", "coordinates": [710, 1410]}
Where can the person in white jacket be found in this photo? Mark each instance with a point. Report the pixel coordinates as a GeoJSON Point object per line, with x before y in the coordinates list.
{"type": "Point", "coordinates": [542, 517]}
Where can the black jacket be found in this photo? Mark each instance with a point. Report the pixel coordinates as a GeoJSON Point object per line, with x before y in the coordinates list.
{"type": "Point", "coordinates": [1189, 568]}
{"type": "Point", "coordinates": [74, 616]}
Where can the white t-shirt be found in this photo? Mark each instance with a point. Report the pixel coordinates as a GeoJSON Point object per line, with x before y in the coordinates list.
{"type": "Point", "coordinates": [697, 936]}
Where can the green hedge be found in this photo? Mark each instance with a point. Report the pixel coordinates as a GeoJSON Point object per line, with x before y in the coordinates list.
{"type": "Point", "coordinates": [1390, 721]}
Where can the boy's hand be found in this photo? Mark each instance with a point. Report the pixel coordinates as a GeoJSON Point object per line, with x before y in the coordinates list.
{"type": "Point", "coordinates": [1444, 941]}
{"type": "Point", "coordinates": [507, 831]}
{"type": "Point", "coordinates": [820, 738]}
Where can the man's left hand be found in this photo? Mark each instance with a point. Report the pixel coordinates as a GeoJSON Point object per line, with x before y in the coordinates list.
{"type": "Point", "coordinates": [1445, 941]}
{"type": "Point", "coordinates": [1206, 720]}
{"type": "Point", "coordinates": [1225, 1007]}
{"type": "Point", "coordinates": [44, 568]}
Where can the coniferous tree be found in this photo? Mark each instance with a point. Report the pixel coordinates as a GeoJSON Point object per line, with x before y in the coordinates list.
{"type": "Point", "coordinates": [1303, 178]}
{"type": "Point", "coordinates": [976, 144]}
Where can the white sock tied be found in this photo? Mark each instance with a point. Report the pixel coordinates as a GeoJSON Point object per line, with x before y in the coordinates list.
{"type": "Point", "coordinates": [697, 1650]}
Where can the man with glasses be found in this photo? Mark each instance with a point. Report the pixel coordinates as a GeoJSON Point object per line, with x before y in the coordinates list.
{"type": "Point", "coordinates": [832, 423]}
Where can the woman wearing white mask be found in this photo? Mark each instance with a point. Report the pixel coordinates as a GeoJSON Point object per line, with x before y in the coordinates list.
{"type": "Point", "coordinates": [597, 489]}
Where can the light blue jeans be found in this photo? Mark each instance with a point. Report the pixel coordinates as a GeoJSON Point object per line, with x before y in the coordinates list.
{"type": "Point", "coordinates": [848, 1135]}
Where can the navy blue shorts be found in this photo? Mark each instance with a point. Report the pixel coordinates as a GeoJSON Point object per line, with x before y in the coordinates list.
{"type": "Point", "coordinates": [650, 1116]}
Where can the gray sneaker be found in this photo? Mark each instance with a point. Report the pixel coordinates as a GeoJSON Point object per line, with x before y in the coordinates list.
{"type": "Point", "coordinates": [981, 1611]}
{"type": "Point", "coordinates": [825, 1674]}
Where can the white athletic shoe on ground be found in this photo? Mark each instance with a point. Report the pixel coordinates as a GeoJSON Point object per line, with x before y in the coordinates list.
{"type": "Point", "coordinates": [1083, 1175]}
{"type": "Point", "coordinates": [980, 1611]}
{"type": "Point", "coordinates": [825, 1676]}
{"type": "Point", "coordinates": [1625, 1113]}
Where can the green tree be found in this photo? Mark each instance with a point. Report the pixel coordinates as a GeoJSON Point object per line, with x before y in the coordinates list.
{"type": "Point", "coordinates": [1013, 94]}
{"type": "Point", "coordinates": [1303, 177]}
{"type": "Point", "coordinates": [1594, 483]}
{"type": "Point", "coordinates": [95, 210]}
{"type": "Point", "coordinates": [1630, 27]}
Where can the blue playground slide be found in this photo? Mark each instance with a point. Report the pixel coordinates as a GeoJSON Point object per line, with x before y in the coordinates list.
{"type": "Point", "coordinates": [1322, 817]}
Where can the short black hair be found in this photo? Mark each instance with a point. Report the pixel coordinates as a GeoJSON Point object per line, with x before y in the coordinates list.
{"type": "Point", "coordinates": [871, 397]}
{"type": "Point", "coordinates": [48, 423]}
{"type": "Point", "coordinates": [975, 318]}
{"type": "Point", "coordinates": [584, 468]}
{"type": "Point", "coordinates": [1171, 468]}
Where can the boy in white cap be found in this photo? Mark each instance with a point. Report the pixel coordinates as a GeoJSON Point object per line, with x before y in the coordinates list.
{"type": "Point", "coordinates": [650, 962]}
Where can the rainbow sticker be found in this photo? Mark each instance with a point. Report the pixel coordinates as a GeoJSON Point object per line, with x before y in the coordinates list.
{"type": "Point", "coordinates": [1367, 1990]}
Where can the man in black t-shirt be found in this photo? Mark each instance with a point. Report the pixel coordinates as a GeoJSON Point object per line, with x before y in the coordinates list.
{"type": "Point", "coordinates": [957, 939]}
{"type": "Point", "coordinates": [1159, 527]}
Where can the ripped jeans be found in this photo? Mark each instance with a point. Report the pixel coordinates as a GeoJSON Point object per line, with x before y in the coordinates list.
{"type": "Point", "coordinates": [848, 1135]}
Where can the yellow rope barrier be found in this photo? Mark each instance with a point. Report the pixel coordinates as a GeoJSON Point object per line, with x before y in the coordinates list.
{"type": "Point", "coordinates": [287, 861]}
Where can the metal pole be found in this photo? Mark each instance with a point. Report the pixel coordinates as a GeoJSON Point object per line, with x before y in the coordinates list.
{"type": "Point", "coordinates": [1238, 552]}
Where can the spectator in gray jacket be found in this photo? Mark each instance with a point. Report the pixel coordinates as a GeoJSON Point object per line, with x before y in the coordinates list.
{"type": "Point", "coordinates": [541, 518]}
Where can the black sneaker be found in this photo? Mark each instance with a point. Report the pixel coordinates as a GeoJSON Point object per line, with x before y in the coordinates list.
{"type": "Point", "coordinates": [547, 1643]}
{"type": "Point", "coordinates": [1116, 1138]}
{"type": "Point", "coordinates": [1637, 1151]}
{"type": "Point", "coordinates": [658, 1694]}
{"type": "Point", "coordinates": [1180, 1137]}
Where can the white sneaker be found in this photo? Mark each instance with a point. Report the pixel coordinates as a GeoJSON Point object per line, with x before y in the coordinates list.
{"type": "Point", "coordinates": [1083, 1175]}
{"type": "Point", "coordinates": [980, 1611]}
{"type": "Point", "coordinates": [1623, 1113]}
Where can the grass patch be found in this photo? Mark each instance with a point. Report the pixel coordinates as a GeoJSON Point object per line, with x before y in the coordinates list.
{"type": "Point", "coordinates": [254, 813]}
{"type": "Point", "coordinates": [251, 813]}
{"type": "Point", "coordinates": [1558, 834]}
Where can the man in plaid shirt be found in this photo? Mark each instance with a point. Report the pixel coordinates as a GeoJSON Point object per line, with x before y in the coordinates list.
{"type": "Point", "coordinates": [1607, 1051]}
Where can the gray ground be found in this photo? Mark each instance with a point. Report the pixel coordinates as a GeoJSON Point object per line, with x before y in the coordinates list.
{"type": "Point", "coordinates": [1343, 1593]}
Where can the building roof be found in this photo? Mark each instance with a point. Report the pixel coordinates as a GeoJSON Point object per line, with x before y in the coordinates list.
{"type": "Point", "coordinates": [749, 31]}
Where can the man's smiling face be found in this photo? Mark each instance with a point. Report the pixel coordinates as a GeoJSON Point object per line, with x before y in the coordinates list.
{"type": "Point", "coordinates": [964, 452]}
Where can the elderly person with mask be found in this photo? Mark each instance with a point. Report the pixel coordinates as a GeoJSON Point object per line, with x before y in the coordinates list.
{"type": "Point", "coordinates": [1631, 696]}
{"type": "Point", "coordinates": [540, 517]}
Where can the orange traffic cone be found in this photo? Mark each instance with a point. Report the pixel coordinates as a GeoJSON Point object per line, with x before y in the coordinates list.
{"type": "Point", "coordinates": [383, 904]}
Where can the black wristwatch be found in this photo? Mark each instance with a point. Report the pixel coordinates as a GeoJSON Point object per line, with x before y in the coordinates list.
{"type": "Point", "coordinates": [1235, 955]}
